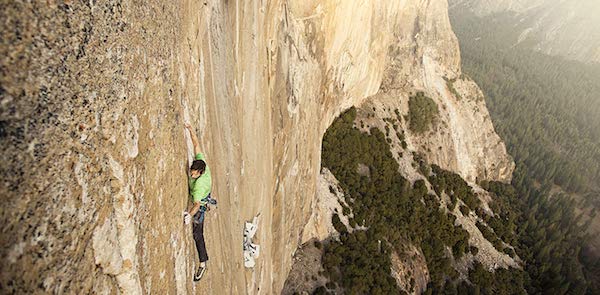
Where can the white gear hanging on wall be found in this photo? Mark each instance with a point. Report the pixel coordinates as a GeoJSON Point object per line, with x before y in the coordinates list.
{"type": "Point", "coordinates": [251, 251]}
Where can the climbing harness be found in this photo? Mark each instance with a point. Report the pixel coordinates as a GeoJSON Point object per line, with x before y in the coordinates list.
{"type": "Point", "coordinates": [203, 209]}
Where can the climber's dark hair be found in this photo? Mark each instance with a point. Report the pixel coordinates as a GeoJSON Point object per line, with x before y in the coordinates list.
{"type": "Point", "coordinates": [198, 165]}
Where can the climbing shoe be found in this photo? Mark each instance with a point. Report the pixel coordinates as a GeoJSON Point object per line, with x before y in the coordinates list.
{"type": "Point", "coordinates": [199, 273]}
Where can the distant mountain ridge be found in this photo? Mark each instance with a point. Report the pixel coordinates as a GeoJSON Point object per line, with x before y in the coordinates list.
{"type": "Point", "coordinates": [568, 28]}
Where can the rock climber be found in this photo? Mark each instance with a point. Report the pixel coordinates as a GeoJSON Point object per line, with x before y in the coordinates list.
{"type": "Point", "coordinates": [200, 187]}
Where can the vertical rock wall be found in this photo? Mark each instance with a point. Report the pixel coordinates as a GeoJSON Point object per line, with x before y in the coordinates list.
{"type": "Point", "coordinates": [93, 99]}
{"type": "Point", "coordinates": [93, 157]}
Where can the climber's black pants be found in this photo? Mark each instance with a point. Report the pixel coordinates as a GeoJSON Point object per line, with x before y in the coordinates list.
{"type": "Point", "coordinates": [198, 229]}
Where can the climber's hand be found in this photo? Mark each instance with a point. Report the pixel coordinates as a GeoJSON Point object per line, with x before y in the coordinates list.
{"type": "Point", "coordinates": [187, 218]}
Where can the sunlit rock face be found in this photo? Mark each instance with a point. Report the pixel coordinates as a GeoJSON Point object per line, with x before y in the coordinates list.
{"type": "Point", "coordinates": [94, 97]}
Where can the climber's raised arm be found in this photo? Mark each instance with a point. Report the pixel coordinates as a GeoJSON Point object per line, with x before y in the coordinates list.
{"type": "Point", "coordinates": [195, 141]}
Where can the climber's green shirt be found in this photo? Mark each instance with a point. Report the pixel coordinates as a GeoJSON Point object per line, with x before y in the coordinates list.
{"type": "Point", "coordinates": [200, 187]}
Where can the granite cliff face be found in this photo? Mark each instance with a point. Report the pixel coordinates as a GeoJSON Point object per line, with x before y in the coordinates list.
{"type": "Point", "coordinates": [555, 27]}
{"type": "Point", "coordinates": [93, 100]}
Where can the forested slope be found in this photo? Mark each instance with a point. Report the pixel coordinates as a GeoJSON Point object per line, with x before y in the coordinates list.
{"type": "Point", "coordinates": [396, 214]}
{"type": "Point", "coordinates": [546, 110]}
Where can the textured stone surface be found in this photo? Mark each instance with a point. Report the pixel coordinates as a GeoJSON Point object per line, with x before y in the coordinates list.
{"type": "Point", "coordinates": [328, 201]}
{"type": "Point", "coordinates": [93, 98]}
{"type": "Point", "coordinates": [307, 273]}
{"type": "Point", "coordinates": [410, 265]}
